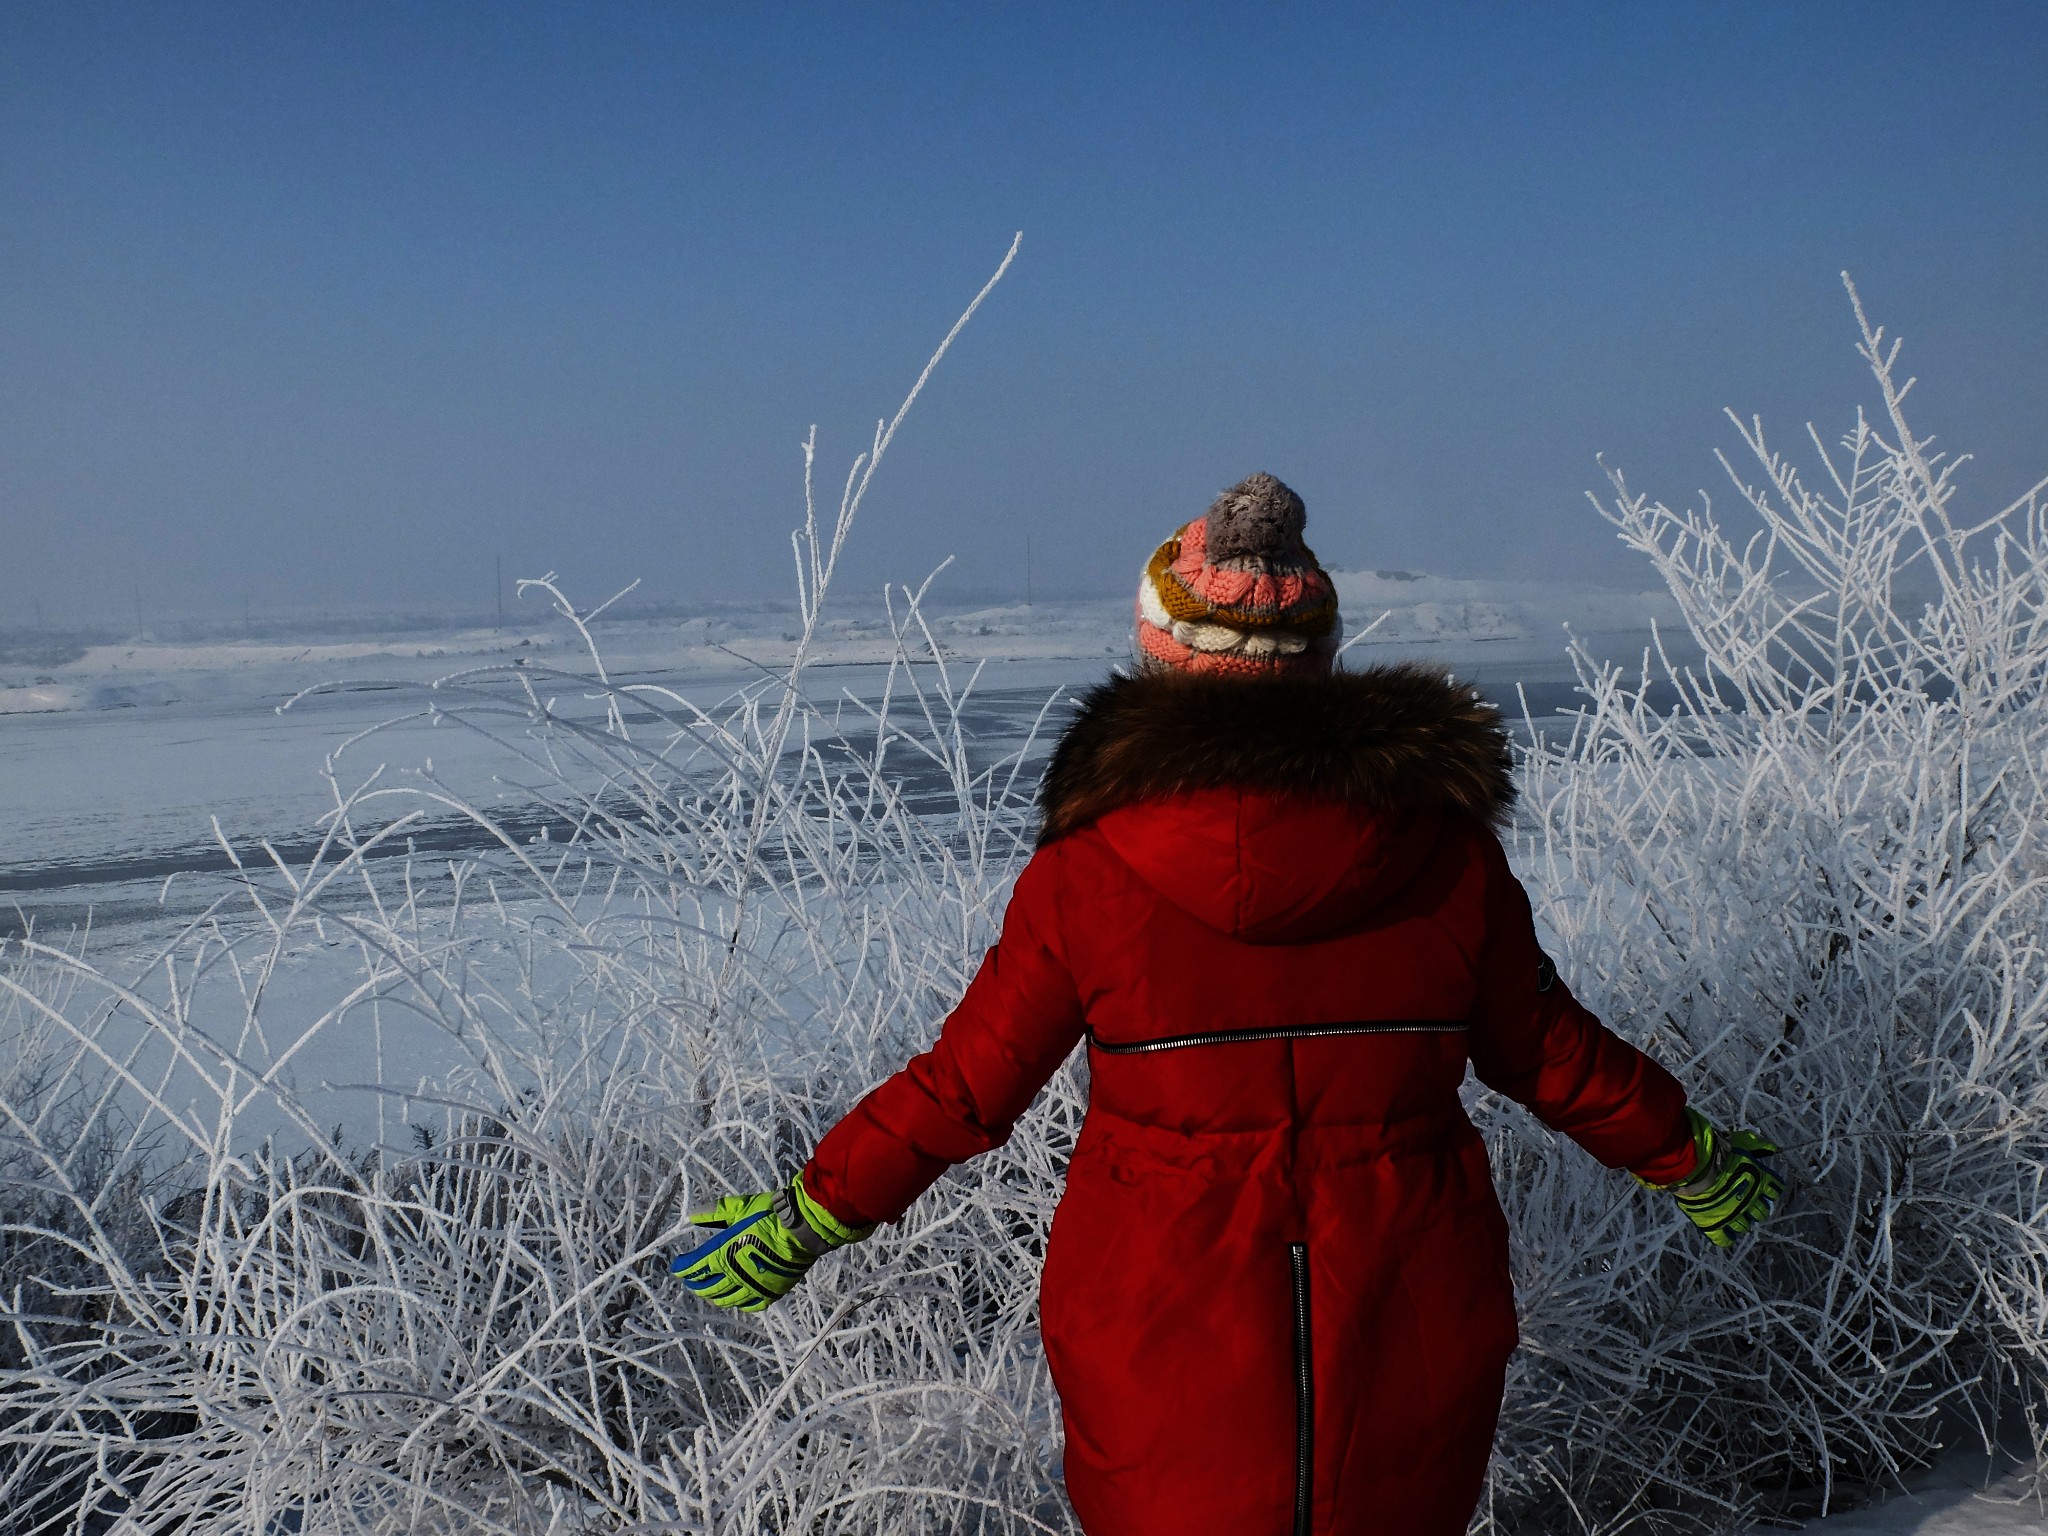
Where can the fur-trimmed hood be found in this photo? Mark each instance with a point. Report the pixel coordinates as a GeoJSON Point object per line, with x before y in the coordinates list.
{"type": "Point", "coordinates": [1387, 739]}
{"type": "Point", "coordinates": [1278, 810]}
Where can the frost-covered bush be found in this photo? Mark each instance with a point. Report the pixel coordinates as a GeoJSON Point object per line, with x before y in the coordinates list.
{"type": "Point", "coordinates": [74, 1182]}
{"type": "Point", "coordinates": [703, 933]}
{"type": "Point", "coordinates": [1813, 887]}
{"type": "Point", "coordinates": [1812, 877]}
{"type": "Point", "coordinates": [472, 1329]}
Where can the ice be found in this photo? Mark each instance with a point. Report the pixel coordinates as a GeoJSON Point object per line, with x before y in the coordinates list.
{"type": "Point", "coordinates": [120, 763]}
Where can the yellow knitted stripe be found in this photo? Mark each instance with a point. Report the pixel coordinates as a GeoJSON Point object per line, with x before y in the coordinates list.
{"type": "Point", "coordinates": [1319, 620]}
{"type": "Point", "coordinates": [1175, 598]}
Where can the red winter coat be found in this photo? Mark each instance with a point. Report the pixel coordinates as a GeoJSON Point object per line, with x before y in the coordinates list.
{"type": "Point", "coordinates": [1276, 1294]}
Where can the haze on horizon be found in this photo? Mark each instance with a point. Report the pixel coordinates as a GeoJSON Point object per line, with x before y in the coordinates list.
{"type": "Point", "coordinates": [333, 307]}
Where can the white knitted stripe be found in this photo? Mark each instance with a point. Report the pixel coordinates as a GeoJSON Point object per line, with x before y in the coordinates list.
{"type": "Point", "coordinates": [1216, 639]}
{"type": "Point", "coordinates": [1279, 642]}
{"type": "Point", "coordinates": [1150, 606]}
{"type": "Point", "coordinates": [1221, 639]}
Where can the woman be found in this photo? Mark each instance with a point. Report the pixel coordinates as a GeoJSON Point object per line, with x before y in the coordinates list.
{"type": "Point", "coordinates": [1269, 896]}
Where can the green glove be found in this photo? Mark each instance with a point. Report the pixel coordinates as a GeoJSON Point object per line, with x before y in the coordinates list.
{"type": "Point", "coordinates": [1732, 1187]}
{"type": "Point", "coordinates": [765, 1244]}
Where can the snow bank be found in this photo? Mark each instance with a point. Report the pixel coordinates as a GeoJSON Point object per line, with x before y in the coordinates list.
{"type": "Point", "coordinates": [38, 699]}
{"type": "Point", "coordinates": [1966, 1493]}
{"type": "Point", "coordinates": [1420, 608]}
{"type": "Point", "coordinates": [232, 656]}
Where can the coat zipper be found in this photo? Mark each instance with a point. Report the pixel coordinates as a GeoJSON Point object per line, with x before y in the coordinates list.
{"type": "Point", "coordinates": [1304, 1395]}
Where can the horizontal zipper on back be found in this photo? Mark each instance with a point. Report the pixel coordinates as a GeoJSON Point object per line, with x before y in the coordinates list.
{"type": "Point", "coordinates": [1283, 1032]}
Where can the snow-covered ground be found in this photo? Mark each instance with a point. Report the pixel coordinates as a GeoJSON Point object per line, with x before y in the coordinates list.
{"type": "Point", "coordinates": [1961, 1497]}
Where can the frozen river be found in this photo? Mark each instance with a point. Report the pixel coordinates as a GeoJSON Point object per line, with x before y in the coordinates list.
{"type": "Point", "coordinates": [159, 752]}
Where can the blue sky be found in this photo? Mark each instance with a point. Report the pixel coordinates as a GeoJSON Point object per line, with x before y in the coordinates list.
{"type": "Point", "coordinates": [325, 304]}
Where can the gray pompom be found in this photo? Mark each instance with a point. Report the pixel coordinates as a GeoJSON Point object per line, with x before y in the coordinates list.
{"type": "Point", "coordinates": [1259, 517]}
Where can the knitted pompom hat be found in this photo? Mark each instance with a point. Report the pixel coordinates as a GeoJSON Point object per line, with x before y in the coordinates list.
{"type": "Point", "coordinates": [1237, 591]}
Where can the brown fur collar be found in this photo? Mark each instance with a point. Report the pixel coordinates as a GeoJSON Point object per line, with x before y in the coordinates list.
{"type": "Point", "coordinates": [1391, 736]}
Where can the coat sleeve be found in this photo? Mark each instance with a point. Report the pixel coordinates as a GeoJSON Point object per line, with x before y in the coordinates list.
{"type": "Point", "coordinates": [1020, 1018]}
{"type": "Point", "coordinates": [1533, 1041]}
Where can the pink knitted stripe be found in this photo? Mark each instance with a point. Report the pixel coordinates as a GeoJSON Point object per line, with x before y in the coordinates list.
{"type": "Point", "coordinates": [1161, 646]}
{"type": "Point", "coordinates": [1247, 666]}
{"type": "Point", "coordinates": [1227, 664]}
{"type": "Point", "coordinates": [1294, 586]}
{"type": "Point", "coordinates": [1255, 591]}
